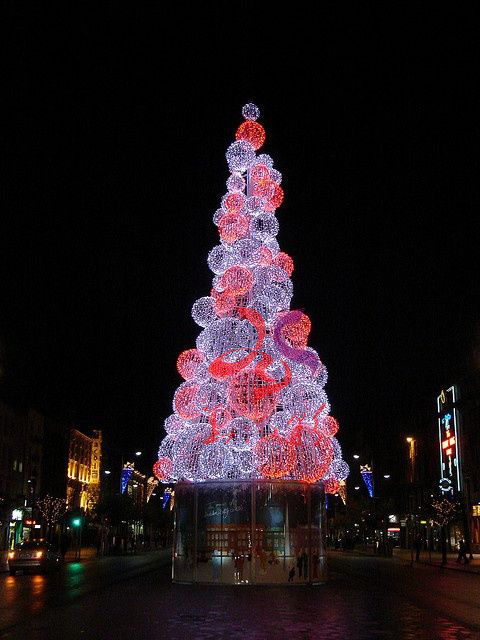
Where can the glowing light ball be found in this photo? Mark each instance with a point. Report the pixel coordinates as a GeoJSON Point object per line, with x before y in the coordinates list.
{"type": "Point", "coordinates": [235, 183]}
{"type": "Point", "coordinates": [244, 434]}
{"type": "Point", "coordinates": [233, 202]}
{"type": "Point", "coordinates": [265, 257]}
{"type": "Point", "coordinates": [210, 395]}
{"type": "Point", "coordinates": [329, 426]}
{"type": "Point", "coordinates": [219, 259]}
{"type": "Point", "coordinates": [259, 173]}
{"type": "Point", "coordinates": [186, 455]}
{"type": "Point", "coordinates": [167, 446]}
{"type": "Point", "coordinates": [215, 460]}
{"type": "Point", "coordinates": [162, 469]}
{"type": "Point", "coordinates": [224, 304]}
{"type": "Point", "coordinates": [184, 401]}
{"type": "Point", "coordinates": [203, 311]}
{"type": "Point", "coordinates": [314, 454]}
{"type": "Point", "coordinates": [237, 280]}
{"type": "Point", "coordinates": [264, 189]}
{"type": "Point", "coordinates": [188, 361]}
{"type": "Point", "coordinates": [276, 176]}
{"type": "Point", "coordinates": [265, 159]}
{"type": "Point", "coordinates": [232, 227]}
{"type": "Point", "coordinates": [285, 262]}
{"type": "Point", "coordinates": [241, 396]}
{"type": "Point", "coordinates": [296, 334]}
{"type": "Point", "coordinates": [219, 213]}
{"type": "Point", "coordinates": [245, 251]}
{"type": "Point", "coordinates": [250, 111]}
{"type": "Point", "coordinates": [252, 132]}
{"type": "Point", "coordinates": [274, 456]}
{"type": "Point", "coordinates": [253, 204]}
{"type": "Point", "coordinates": [340, 469]}
{"type": "Point", "coordinates": [276, 199]}
{"type": "Point", "coordinates": [331, 484]}
{"type": "Point", "coordinates": [173, 424]}
{"type": "Point", "coordinates": [264, 226]}
{"type": "Point", "coordinates": [240, 156]}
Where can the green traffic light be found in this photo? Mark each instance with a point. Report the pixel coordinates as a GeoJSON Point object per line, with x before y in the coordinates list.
{"type": "Point", "coordinates": [76, 522]}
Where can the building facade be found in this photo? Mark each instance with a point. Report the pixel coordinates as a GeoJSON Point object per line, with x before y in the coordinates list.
{"type": "Point", "coordinates": [84, 470]}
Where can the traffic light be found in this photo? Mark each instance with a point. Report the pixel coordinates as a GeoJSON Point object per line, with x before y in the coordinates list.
{"type": "Point", "coordinates": [76, 522]}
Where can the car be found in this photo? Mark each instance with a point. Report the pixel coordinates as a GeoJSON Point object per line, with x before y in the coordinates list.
{"type": "Point", "coordinates": [34, 554]}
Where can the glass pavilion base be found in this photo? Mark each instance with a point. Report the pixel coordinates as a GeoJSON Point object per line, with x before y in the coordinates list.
{"type": "Point", "coordinates": [249, 532]}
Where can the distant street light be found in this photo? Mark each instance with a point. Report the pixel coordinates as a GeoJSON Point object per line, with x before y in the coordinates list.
{"type": "Point", "coordinates": [107, 472]}
{"type": "Point", "coordinates": [138, 453]}
{"type": "Point", "coordinates": [357, 488]}
{"type": "Point", "coordinates": [386, 476]}
{"type": "Point", "coordinates": [356, 456]}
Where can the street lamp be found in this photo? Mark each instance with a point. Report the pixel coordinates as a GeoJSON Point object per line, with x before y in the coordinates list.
{"type": "Point", "coordinates": [356, 456]}
{"type": "Point", "coordinates": [138, 453]}
{"type": "Point", "coordinates": [386, 476]}
{"type": "Point", "coordinates": [357, 488]}
{"type": "Point", "coordinates": [107, 472]}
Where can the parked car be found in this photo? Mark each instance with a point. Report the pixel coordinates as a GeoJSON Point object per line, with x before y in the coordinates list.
{"type": "Point", "coordinates": [34, 554]}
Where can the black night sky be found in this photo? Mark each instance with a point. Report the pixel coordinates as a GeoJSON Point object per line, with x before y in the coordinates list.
{"type": "Point", "coordinates": [114, 145]}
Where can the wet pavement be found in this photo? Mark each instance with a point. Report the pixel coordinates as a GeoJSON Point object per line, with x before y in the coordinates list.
{"type": "Point", "coordinates": [119, 598]}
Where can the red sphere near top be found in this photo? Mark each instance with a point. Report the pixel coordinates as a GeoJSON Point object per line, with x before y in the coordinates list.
{"type": "Point", "coordinates": [275, 456]}
{"type": "Point", "coordinates": [188, 361]}
{"type": "Point", "coordinates": [252, 132]}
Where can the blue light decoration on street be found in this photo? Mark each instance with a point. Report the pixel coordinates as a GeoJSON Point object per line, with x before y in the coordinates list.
{"type": "Point", "coordinates": [167, 494]}
{"type": "Point", "coordinates": [367, 477]}
{"type": "Point", "coordinates": [448, 438]}
{"type": "Point", "coordinates": [126, 475]}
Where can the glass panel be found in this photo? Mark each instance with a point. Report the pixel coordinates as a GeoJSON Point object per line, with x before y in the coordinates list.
{"type": "Point", "coordinates": [298, 558]}
{"type": "Point", "coordinates": [209, 533]}
{"type": "Point", "coordinates": [183, 567]}
{"type": "Point", "coordinates": [319, 566]}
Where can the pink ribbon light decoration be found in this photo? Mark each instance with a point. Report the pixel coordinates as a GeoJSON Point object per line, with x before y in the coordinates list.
{"type": "Point", "coordinates": [301, 356]}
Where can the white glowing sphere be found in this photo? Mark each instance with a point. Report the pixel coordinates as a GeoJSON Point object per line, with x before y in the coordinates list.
{"type": "Point", "coordinates": [219, 213]}
{"type": "Point", "coordinates": [243, 252]}
{"type": "Point", "coordinates": [244, 434]}
{"type": "Point", "coordinates": [264, 226]}
{"type": "Point", "coordinates": [240, 156]}
{"type": "Point", "coordinates": [215, 460]}
{"type": "Point", "coordinates": [253, 205]}
{"type": "Point", "coordinates": [236, 183]}
{"type": "Point", "coordinates": [219, 259]}
{"type": "Point", "coordinates": [276, 176]}
{"type": "Point", "coordinates": [339, 468]}
{"type": "Point", "coordinates": [337, 449]}
{"type": "Point", "coordinates": [173, 424]}
{"type": "Point", "coordinates": [272, 245]}
{"type": "Point", "coordinates": [203, 311]}
{"type": "Point", "coordinates": [265, 159]}
{"type": "Point", "coordinates": [250, 111]}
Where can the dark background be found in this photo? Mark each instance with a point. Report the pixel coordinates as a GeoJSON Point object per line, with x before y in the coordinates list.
{"type": "Point", "coordinates": [113, 145]}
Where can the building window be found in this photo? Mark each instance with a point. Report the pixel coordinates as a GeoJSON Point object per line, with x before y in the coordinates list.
{"type": "Point", "coordinates": [14, 465]}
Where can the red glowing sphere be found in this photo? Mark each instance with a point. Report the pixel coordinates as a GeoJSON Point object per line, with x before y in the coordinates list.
{"type": "Point", "coordinates": [259, 173]}
{"type": "Point", "coordinates": [296, 334]}
{"type": "Point", "coordinates": [284, 261]}
{"type": "Point", "coordinates": [264, 189]}
{"type": "Point", "coordinates": [188, 361]}
{"type": "Point", "coordinates": [184, 401]}
{"type": "Point", "coordinates": [232, 227]}
{"type": "Point", "coordinates": [331, 484]}
{"type": "Point", "coordinates": [314, 453]}
{"type": "Point", "coordinates": [224, 304]}
{"type": "Point", "coordinates": [274, 456]}
{"type": "Point", "coordinates": [252, 132]}
{"type": "Point", "coordinates": [242, 399]}
{"type": "Point", "coordinates": [237, 280]}
{"type": "Point", "coordinates": [329, 425]}
{"type": "Point", "coordinates": [162, 469]}
{"type": "Point", "coordinates": [265, 258]}
{"type": "Point", "coordinates": [276, 199]}
{"type": "Point", "coordinates": [234, 202]}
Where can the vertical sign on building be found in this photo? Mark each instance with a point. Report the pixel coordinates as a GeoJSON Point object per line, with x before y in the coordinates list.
{"type": "Point", "coordinates": [96, 456]}
{"type": "Point", "coordinates": [448, 437]}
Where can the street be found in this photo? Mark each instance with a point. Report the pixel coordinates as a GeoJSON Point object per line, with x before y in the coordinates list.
{"type": "Point", "coordinates": [366, 597]}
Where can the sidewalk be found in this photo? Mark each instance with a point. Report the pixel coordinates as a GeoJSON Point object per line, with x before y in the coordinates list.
{"type": "Point", "coordinates": [405, 555]}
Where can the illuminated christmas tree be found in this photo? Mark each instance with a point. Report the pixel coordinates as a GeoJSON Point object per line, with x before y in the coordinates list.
{"type": "Point", "coordinates": [253, 403]}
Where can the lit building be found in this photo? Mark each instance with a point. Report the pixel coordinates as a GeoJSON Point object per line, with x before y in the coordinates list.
{"type": "Point", "coordinates": [83, 473]}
